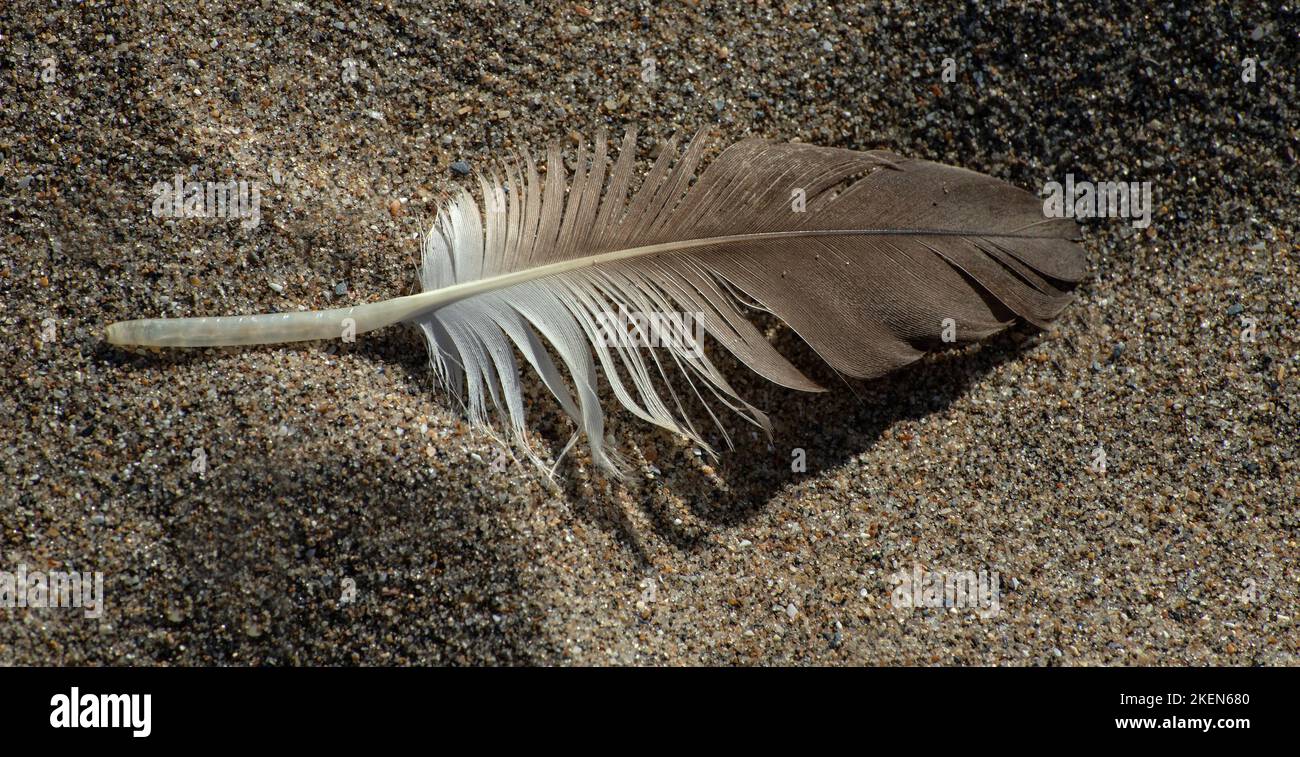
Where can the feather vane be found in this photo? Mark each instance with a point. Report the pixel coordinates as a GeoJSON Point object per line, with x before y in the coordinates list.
{"type": "Point", "coordinates": [865, 255]}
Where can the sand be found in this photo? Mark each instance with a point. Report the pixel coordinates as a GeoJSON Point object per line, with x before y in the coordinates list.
{"type": "Point", "coordinates": [345, 513]}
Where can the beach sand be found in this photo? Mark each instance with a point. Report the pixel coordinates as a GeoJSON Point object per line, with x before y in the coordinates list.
{"type": "Point", "coordinates": [345, 513]}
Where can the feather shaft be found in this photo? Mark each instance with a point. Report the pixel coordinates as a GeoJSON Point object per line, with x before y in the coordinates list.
{"type": "Point", "coordinates": [279, 328]}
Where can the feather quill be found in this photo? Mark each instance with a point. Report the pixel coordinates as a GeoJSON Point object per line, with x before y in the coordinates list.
{"type": "Point", "coordinates": [866, 263]}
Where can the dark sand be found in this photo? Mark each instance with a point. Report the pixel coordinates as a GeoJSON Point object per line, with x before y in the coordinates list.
{"type": "Point", "coordinates": [335, 463]}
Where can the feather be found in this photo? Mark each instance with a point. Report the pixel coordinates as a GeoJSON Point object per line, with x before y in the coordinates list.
{"type": "Point", "coordinates": [865, 255]}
